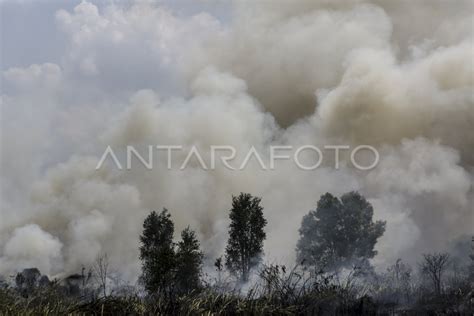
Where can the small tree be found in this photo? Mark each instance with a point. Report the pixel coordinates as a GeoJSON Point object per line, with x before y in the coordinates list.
{"type": "Point", "coordinates": [339, 233]}
{"type": "Point", "coordinates": [399, 278]}
{"type": "Point", "coordinates": [101, 272]}
{"type": "Point", "coordinates": [188, 262]}
{"type": "Point", "coordinates": [157, 252]}
{"type": "Point", "coordinates": [434, 266]}
{"type": "Point", "coordinates": [246, 235]}
{"type": "Point", "coordinates": [218, 265]}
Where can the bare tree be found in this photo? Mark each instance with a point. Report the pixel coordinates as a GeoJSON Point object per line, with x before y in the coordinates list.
{"type": "Point", "coordinates": [434, 266]}
{"type": "Point", "coordinates": [399, 278]}
{"type": "Point", "coordinates": [101, 271]}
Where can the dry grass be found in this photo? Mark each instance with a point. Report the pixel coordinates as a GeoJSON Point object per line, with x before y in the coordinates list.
{"type": "Point", "coordinates": [277, 292]}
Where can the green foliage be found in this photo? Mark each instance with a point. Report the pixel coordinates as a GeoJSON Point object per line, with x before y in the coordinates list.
{"type": "Point", "coordinates": [157, 252]}
{"type": "Point", "coordinates": [339, 233]}
{"type": "Point", "coordinates": [246, 235]}
{"type": "Point", "coordinates": [164, 269]}
{"type": "Point", "coordinates": [189, 262]}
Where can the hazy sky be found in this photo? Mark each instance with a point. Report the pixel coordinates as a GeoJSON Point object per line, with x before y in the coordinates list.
{"type": "Point", "coordinates": [30, 34]}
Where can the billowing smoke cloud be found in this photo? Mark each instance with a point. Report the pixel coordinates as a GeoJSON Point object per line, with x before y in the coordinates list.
{"type": "Point", "coordinates": [31, 246]}
{"type": "Point", "coordinates": [394, 75]}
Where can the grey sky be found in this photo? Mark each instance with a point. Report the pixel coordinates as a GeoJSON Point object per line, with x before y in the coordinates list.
{"type": "Point", "coordinates": [29, 33]}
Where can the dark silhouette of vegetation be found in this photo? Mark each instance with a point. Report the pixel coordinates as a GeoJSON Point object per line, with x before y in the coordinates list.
{"type": "Point", "coordinates": [339, 233]}
{"type": "Point", "coordinates": [188, 262]}
{"type": "Point", "coordinates": [471, 265]}
{"type": "Point", "coordinates": [175, 285]}
{"type": "Point", "coordinates": [246, 235]}
{"type": "Point", "coordinates": [277, 291]}
{"type": "Point", "coordinates": [169, 268]}
{"type": "Point", "coordinates": [434, 265]}
{"type": "Point", "coordinates": [157, 253]}
{"type": "Point", "coordinates": [101, 272]}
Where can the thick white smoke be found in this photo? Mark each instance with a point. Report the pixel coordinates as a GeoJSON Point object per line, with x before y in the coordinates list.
{"type": "Point", "coordinates": [394, 75]}
{"type": "Point", "coordinates": [31, 246]}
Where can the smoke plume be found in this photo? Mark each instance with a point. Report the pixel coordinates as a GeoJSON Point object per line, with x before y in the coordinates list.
{"type": "Point", "coordinates": [395, 75]}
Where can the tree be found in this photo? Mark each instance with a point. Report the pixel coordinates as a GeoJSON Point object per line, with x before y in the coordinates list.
{"type": "Point", "coordinates": [246, 235]}
{"type": "Point", "coordinates": [399, 278]}
{"type": "Point", "coordinates": [218, 265]}
{"type": "Point", "coordinates": [434, 266]}
{"type": "Point", "coordinates": [188, 262]}
{"type": "Point", "coordinates": [339, 233]}
{"type": "Point", "coordinates": [101, 272]}
{"type": "Point", "coordinates": [157, 252]}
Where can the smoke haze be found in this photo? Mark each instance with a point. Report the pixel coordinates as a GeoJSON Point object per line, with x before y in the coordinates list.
{"type": "Point", "coordinates": [397, 75]}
